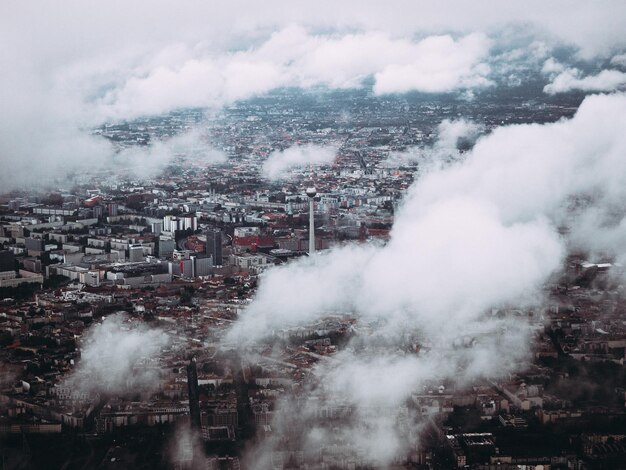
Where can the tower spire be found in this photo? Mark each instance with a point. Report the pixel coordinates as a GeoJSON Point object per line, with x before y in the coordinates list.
{"type": "Point", "coordinates": [311, 192]}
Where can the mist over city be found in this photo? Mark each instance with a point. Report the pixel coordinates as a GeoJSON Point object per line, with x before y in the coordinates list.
{"type": "Point", "coordinates": [313, 235]}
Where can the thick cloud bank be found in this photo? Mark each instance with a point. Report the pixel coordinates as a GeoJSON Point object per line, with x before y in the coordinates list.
{"type": "Point", "coordinates": [295, 57]}
{"type": "Point", "coordinates": [474, 236]}
{"type": "Point", "coordinates": [494, 212]}
{"type": "Point", "coordinates": [68, 70]}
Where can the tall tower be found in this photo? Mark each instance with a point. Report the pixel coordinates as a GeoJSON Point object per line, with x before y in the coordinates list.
{"type": "Point", "coordinates": [311, 192]}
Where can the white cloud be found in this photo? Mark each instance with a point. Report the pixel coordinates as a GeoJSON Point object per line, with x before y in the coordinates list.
{"type": "Point", "coordinates": [119, 357]}
{"type": "Point", "coordinates": [571, 79]}
{"type": "Point", "coordinates": [57, 154]}
{"type": "Point", "coordinates": [452, 136]}
{"type": "Point", "coordinates": [294, 57]}
{"type": "Point", "coordinates": [403, 281]}
{"type": "Point", "coordinates": [552, 66]}
{"type": "Point", "coordinates": [207, 82]}
{"type": "Point", "coordinates": [280, 162]}
{"type": "Point", "coordinates": [451, 133]}
{"type": "Point", "coordinates": [68, 69]}
{"type": "Point", "coordinates": [149, 161]}
{"type": "Point", "coordinates": [489, 213]}
{"type": "Point", "coordinates": [619, 60]}
{"type": "Point", "coordinates": [474, 235]}
{"type": "Point", "coordinates": [438, 64]}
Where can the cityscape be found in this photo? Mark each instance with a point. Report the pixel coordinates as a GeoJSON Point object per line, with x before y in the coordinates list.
{"type": "Point", "coordinates": [313, 237]}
